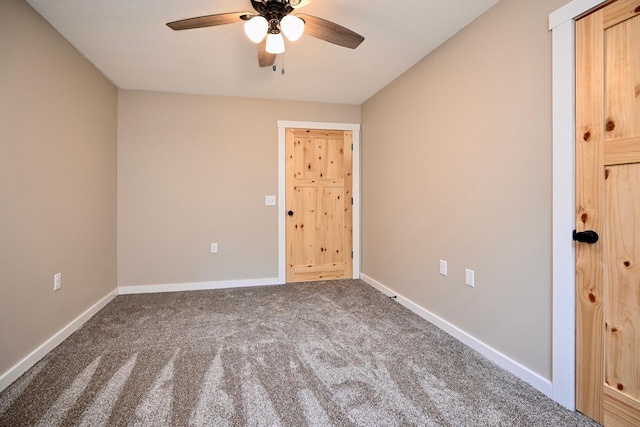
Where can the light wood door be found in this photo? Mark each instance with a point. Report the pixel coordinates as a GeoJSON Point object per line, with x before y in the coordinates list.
{"type": "Point", "coordinates": [319, 223]}
{"type": "Point", "coordinates": [608, 202]}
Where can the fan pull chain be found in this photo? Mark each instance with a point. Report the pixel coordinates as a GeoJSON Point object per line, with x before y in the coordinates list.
{"type": "Point", "coordinates": [275, 67]}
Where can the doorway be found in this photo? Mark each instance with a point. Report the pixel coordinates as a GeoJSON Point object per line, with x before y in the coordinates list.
{"type": "Point", "coordinates": [562, 23]}
{"type": "Point", "coordinates": [354, 129]}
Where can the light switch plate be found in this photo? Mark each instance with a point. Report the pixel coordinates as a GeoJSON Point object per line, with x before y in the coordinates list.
{"type": "Point", "coordinates": [214, 248]}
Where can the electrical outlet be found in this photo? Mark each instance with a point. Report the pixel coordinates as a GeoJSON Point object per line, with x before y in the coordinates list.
{"type": "Point", "coordinates": [214, 248]}
{"type": "Point", "coordinates": [470, 277]}
{"type": "Point", "coordinates": [57, 281]}
{"type": "Point", "coordinates": [443, 267]}
{"type": "Point", "coordinates": [270, 200]}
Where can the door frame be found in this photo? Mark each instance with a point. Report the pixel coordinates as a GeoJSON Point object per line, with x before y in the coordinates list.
{"type": "Point", "coordinates": [353, 127]}
{"type": "Point", "coordinates": [562, 25]}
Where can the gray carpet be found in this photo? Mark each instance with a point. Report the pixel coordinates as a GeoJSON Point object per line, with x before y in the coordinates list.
{"type": "Point", "coordinates": [316, 354]}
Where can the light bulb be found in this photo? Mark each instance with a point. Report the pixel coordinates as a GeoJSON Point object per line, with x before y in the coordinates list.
{"type": "Point", "coordinates": [292, 27]}
{"type": "Point", "coordinates": [256, 28]}
{"type": "Point", "coordinates": [275, 43]}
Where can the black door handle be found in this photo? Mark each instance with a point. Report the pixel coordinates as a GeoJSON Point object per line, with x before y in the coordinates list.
{"type": "Point", "coordinates": [587, 236]}
{"type": "Point", "coordinates": [290, 213]}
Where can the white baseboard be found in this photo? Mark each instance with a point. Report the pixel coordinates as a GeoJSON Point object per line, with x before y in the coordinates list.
{"type": "Point", "coordinates": [541, 384]}
{"type": "Point", "coordinates": [21, 367]}
{"type": "Point", "coordinates": [198, 286]}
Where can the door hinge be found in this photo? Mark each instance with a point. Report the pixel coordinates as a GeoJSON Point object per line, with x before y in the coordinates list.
{"type": "Point", "coordinates": [351, 147]}
{"type": "Point", "coordinates": [351, 254]}
{"type": "Point", "coordinates": [352, 200]}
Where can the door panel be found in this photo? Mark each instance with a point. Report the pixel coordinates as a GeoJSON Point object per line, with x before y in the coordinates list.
{"type": "Point", "coordinates": [622, 291]}
{"type": "Point", "coordinates": [318, 196]}
{"type": "Point", "coordinates": [622, 79]}
{"type": "Point", "coordinates": [608, 201]}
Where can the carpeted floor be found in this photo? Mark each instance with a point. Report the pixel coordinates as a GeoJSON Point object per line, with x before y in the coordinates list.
{"type": "Point", "coordinates": [316, 354]}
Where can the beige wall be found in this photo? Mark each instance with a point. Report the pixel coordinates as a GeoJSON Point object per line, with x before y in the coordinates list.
{"type": "Point", "coordinates": [457, 166]}
{"type": "Point", "coordinates": [57, 182]}
{"type": "Point", "coordinates": [193, 170]}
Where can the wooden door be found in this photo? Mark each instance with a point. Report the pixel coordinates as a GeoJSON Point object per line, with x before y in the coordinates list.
{"type": "Point", "coordinates": [608, 202]}
{"type": "Point", "coordinates": [319, 225]}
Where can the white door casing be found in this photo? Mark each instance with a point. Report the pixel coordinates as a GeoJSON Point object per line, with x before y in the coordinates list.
{"type": "Point", "coordinates": [562, 25]}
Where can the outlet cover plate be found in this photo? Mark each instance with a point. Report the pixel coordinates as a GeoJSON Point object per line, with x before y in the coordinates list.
{"type": "Point", "coordinates": [470, 277]}
{"type": "Point", "coordinates": [443, 267]}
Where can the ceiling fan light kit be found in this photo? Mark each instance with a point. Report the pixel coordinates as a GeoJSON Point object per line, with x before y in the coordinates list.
{"type": "Point", "coordinates": [292, 27]}
{"type": "Point", "coordinates": [272, 20]}
{"type": "Point", "coordinates": [256, 28]}
{"type": "Point", "coordinates": [275, 43]}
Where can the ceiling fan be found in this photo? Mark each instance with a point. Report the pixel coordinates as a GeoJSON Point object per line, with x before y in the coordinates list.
{"type": "Point", "coordinates": [273, 18]}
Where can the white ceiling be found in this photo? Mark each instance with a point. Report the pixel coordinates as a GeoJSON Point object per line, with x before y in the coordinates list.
{"type": "Point", "coordinates": [130, 43]}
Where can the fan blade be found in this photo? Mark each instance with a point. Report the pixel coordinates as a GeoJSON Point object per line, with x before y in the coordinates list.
{"type": "Point", "coordinates": [265, 59]}
{"type": "Point", "coordinates": [330, 31]}
{"type": "Point", "coordinates": [207, 21]}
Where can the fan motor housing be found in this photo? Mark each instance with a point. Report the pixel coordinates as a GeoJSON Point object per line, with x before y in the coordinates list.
{"type": "Point", "coordinates": [274, 9]}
